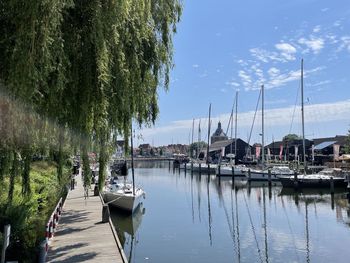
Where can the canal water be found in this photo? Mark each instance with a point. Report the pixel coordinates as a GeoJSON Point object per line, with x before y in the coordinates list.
{"type": "Point", "coordinates": [191, 218]}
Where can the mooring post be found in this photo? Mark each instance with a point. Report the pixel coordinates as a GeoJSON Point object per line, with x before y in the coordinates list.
{"type": "Point", "coordinates": [295, 179]}
{"type": "Point", "coordinates": [249, 175]}
{"type": "Point", "coordinates": [105, 213]}
{"type": "Point", "coordinates": [332, 185]}
{"type": "Point", "coordinates": [191, 167]}
{"type": "Point", "coordinates": [185, 168]}
{"type": "Point", "coordinates": [233, 175]}
{"type": "Point", "coordinates": [219, 170]}
{"type": "Point", "coordinates": [269, 177]}
{"type": "Point", "coordinates": [200, 168]}
{"type": "Point", "coordinates": [208, 169]}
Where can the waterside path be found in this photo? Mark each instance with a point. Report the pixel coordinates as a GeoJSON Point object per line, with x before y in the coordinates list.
{"type": "Point", "coordinates": [81, 235]}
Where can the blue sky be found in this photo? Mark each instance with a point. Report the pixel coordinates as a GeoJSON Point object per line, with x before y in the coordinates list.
{"type": "Point", "coordinates": [224, 46]}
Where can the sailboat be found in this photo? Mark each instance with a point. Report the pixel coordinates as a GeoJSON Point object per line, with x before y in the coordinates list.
{"type": "Point", "coordinates": [206, 167]}
{"type": "Point", "coordinates": [123, 195]}
{"type": "Point", "coordinates": [276, 171]}
{"type": "Point", "coordinates": [237, 170]}
{"type": "Point", "coordinates": [322, 179]}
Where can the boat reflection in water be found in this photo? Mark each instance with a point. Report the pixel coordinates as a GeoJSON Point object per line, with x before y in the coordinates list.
{"type": "Point", "coordinates": [126, 225]}
{"type": "Point", "coordinates": [200, 218]}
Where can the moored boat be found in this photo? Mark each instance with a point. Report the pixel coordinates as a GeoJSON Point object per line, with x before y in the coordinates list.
{"type": "Point", "coordinates": [321, 179]}
{"type": "Point", "coordinates": [276, 173]}
{"type": "Point", "coordinates": [226, 170]}
{"type": "Point", "coordinates": [121, 195]}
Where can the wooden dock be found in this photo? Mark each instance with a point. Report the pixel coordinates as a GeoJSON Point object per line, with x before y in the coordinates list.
{"type": "Point", "coordinates": [81, 235]}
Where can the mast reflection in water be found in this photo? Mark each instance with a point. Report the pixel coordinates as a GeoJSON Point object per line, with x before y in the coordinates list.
{"type": "Point", "coordinates": [199, 218]}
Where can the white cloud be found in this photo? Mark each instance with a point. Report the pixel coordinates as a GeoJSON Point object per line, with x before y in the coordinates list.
{"type": "Point", "coordinates": [246, 79]}
{"type": "Point", "coordinates": [274, 118]}
{"type": "Point", "coordinates": [232, 83]}
{"type": "Point", "coordinates": [282, 79]}
{"type": "Point", "coordinates": [317, 29]}
{"type": "Point", "coordinates": [345, 43]}
{"type": "Point", "coordinates": [285, 53]}
{"type": "Point", "coordinates": [287, 50]}
{"type": "Point", "coordinates": [195, 66]}
{"type": "Point", "coordinates": [321, 83]}
{"type": "Point", "coordinates": [273, 102]}
{"type": "Point", "coordinates": [315, 44]}
{"type": "Point", "coordinates": [264, 55]}
{"type": "Point", "coordinates": [337, 23]}
{"type": "Point", "coordinates": [273, 72]}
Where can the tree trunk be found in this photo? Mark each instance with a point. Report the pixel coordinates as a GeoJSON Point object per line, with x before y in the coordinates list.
{"type": "Point", "coordinates": [60, 156]}
{"type": "Point", "coordinates": [13, 174]}
{"type": "Point", "coordinates": [103, 157]}
{"type": "Point", "coordinates": [27, 155]}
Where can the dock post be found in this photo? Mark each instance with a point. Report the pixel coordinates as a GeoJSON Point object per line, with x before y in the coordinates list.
{"type": "Point", "coordinates": [269, 177]}
{"type": "Point", "coordinates": [219, 170]}
{"type": "Point", "coordinates": [249, 175]}
{"type": "Point", "coordinates": [233, 175]}
{"type": "Point", "coordinates": [332, 201]}
{"type": "Point", "coordinates": [200, 168]}
{"type": "Point", "coordinates": [295, 180]}
{"type": "Point", "coordinates": [332, 185]}
{"type": "Point", "coordinates": [185, 168]}
{"type": "Point", "coordinates": [105, 213]}
{"type": "Point", "coordinates": [208, 169]}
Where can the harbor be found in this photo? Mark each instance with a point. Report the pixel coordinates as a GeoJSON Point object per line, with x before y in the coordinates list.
{"type": "Point", "coordinates": [200, 218]}
{"type": "Point", "coordinates": [137, 131]}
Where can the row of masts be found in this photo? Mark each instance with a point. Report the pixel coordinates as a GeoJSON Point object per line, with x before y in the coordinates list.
{"type": "Point", "coordinates": [235, 105]}
{"type": "Point", "coordinates": [302, 117]}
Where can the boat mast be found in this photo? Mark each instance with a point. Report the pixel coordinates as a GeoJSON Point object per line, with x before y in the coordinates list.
{"type": "Point", "coordinates": [191, 153]}
{"type": "Point", "coordinates": [262, 124]}
{"type": "Point", "coordinates": [199, 138]}
{"type": "Point", "coordinates": [302, 112]}
{"type": "Point", "coordinates": [236, 126]}
{"type": "Point", "coordinates": [132, 161]}
{"type": "Point", "coordinates": [208, 134]}
{"type": "Point", "coordinates": [231, 123]}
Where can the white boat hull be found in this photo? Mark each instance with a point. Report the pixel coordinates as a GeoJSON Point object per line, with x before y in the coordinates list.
{"type": "Point", "coordinates": [227, 171]}
{"type": "Point", "coordinates": [124, 201]}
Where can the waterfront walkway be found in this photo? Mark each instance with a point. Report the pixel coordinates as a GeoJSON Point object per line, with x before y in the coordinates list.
{"type": "Point", "coordinates": [81, 236]}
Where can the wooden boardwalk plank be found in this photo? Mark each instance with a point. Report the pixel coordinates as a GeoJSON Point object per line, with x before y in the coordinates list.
{"type": "Point", "coordinates": [81, 236]}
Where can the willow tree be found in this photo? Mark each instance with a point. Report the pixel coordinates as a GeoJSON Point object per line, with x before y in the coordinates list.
{"type": "Point", "coordinates": [90, 67]}
{"type": "Point", "coordinates": [119, 53]}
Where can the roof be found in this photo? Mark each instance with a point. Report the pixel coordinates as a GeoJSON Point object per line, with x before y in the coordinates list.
{"type": "Point", "coordinates": [324, 145]}
{"type": "Point", "coordinates": [339, 139]}
{"type": "Point", "coordinates": [217, 146]}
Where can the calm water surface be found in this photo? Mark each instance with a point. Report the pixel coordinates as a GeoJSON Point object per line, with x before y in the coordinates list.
{"type": "Point", "coordinates": [192, 218]}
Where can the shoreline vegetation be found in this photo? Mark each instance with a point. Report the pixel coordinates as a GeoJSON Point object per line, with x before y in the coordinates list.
{"type": "Point", "coordinates": [29, 214]}
{"type": "Point", "coordinates": [74, 75]}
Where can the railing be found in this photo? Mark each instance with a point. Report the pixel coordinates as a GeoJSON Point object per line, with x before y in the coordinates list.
{"type": "Point", "coordinates": [50, 230]}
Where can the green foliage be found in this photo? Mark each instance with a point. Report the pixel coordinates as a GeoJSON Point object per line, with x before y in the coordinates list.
{"type": "Point", "coordinates": [290, 137]}
{"type": "Point", "coordinates": [196, 148]}
{"type": "Point", "coordinates": [28, 214]}
{"type": "Point", "coordinates": [73, 74]}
